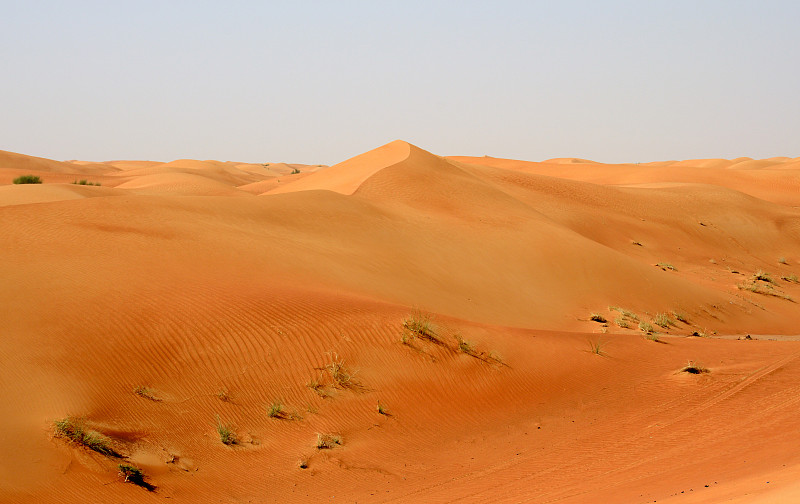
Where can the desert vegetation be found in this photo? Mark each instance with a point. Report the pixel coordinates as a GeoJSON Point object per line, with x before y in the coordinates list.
{"type": "Point", "coordinates": [76, 431]}
{"type": "Point", "coordinates": [27, 179]}
{"type": "Point", "coordinates": [227, 433]}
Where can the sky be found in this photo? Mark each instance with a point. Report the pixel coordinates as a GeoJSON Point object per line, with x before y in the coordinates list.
{"type": "Point", "coordinates": [318, 82]}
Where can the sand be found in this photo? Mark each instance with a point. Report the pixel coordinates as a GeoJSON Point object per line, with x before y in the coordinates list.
{"type": "Point", "coordinates": [218, 289]}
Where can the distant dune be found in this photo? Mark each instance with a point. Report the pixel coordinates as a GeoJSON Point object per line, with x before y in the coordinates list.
{"type": "Point", "coordinates": [401, 327]}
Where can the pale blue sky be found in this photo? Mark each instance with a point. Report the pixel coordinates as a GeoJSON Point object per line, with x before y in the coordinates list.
{"type": "Point", "coordinates": [321, 81]}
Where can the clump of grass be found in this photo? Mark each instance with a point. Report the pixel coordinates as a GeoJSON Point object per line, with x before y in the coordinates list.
{"type": "Point", "coordinates": [420, 325]}
{"type": "Point", "coordinates": [663, 320]}
{"type": "Point", "coordinates": [596, 347]}
{"type": "Point", "coordinates": [76, 431]}
{"type": "Point", "coordinates": [596, 317]}
{"type": "Point", "coordinates": [762, 276]}
{"type": "Point", "coordinates": [303, 462]}
{"type": "Point", "coordinates": [782, 260]}
{"type": "Point", "coordinates": [621, 322]}
{"type": "Point", "coordinates": [340, 374]}
{"type": "Point", "coordinates": [27, 179]}
{"type": "Point", "coordinates": [328, 441]}
{"type": "Point", "coordinates": [85, 182]}
{"type": "Point", "coordinates": [316, 385]}
{"type": "Point", "coordinates": [226, 432]}
{"type": "Point", "coordinates": [382, 409]}
{"type": "Point", "coordinates": [146, 393]}
{"type": "Point", "coordinates": [790, 278]}
{"type": "Point", "coordinates": [764, 289]}
{"type": "Point", "coordinates": [628, 314]}
{"type": "Point", "coordinates": [646, 327]}
{"type": "Point", "coordinates": [666, 266]}
{"type": "Point", "coordinates": [133, 474]}
{"type": "Point", "coordinates": [275, 410]}
{"type": "Point", "coordinates": [223, 395]}
{"type": "Point", "coordinates": [680, 316]}
{"type": "Point", "coordinates": [638, 244]}
{"type": "Point", "coordinates": [654, 337]}
{"type": "Point", "coordinates": [694, 368]}
{"type": "Point", "coordinates": [295, 171]}
{"type": "Point", "coordinates": [465, 346]}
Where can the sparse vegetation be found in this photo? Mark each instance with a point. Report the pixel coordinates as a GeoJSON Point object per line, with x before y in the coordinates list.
{"type": "Point", "coordinates": [420, 325]}
{"type": "Point", "coordinates": [85, 182]}
{"type": "Point", "coordinates": [790, 278]}
{"type": "Point", "coordinates": [666, 266]}
{"type": "Point", "coordinates": [646, 327]}
{"type": "Point", "coordinates": [227, 433]}
{"type": "Point", "coordinates": [653, 337]}
{"type": "Point", "coordinates": [133, 474]}
{"type": "Point", "coordinates": [295, 171]}
{"type": "Point", "coordinates": [223, 395]}
{"type": "Point", "coordinates": [316, 385]}
{"type": "Point", "coordinates": [328, 441]}
{"type": "Point", "coordinates": [694, 368]}
{"type": "Point", "coordinates": [782, 260]}
{"type": "Point", "coordinates": [27, 179]}
{"type": "Point", "coordinates": [638, 244]}
{"type": "Point", "coordinates": [621, 322]}
{"type": "Point", "coordinates": [76, 431]}
{"type": "Point", "coordinates": [146, 393]}
{"type": "Point", "coordinates": [303, 463]}
{"type": "Point", "coordinates": [766, 288]}
{"type": "Point", "coordinates": [596, 317]}
{"type": "Point", "coordinates": [340, 374]}
{"type": "Point", "coordinates": [382, 409]}
{"type": "Point", "coordinates": [275, 410]}
{"type": "Point", "coordinates": [663, 320]}
{"type": "Point", "coordinates": [680, 316]}
{"type": "Point", "coordinates": [763, 277]}
{"type": "Point", "coordinates": [596, 347]}
{"type": "Point", "coordinates": [627, 314]}
{"type": "Point", "coordinates": [465, 346]}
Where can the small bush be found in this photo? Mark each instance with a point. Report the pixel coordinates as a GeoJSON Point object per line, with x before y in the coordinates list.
{"type": "Point", "coordinates": [76, 431]}
{"type": "Point", "coordinates": [663, 320]}
{"type": "Point", "coordinates": [646, 327]}
{"type": "Point", "coordinates": [340, 374]}
{"type": "Point", "coordinates": [620, 321]}
{"type": "Point", "coordinates": [681, 317]}
{"type": "Point", "coordinates": [654, 337]}
{"type": "Point", "coordinates": [295, 171]}
{"type": "Point", "coordinates": [596, 317]}
{"type": "Point", "coordinates": [223, 395]}
{"type": "Point", "coordinates": [762, 276]}
{"type": "Point", "coordinates": [420, 324]}
{"type": "Point", "coordinates": [133, 474]}
{"type": "Point", "coordinates": [666, 266]}
{"type": "Point", "coordinates": [275, 410]}
{"type": "Point", "coordinates": [328, 441]}
{"type": "Point", "coordinates": [782, 260]}
{"type": "Point", "coordinates": [27, 179]}
{"type": "Point", "coordinates": [226, 432]}
{"type": "Point", "coordinates": [790, 278]}
{"type": "Point", "coordinates": [465, 346]}
{"type": "Point", "coordinates": [694, 368]}
{"type": "Point", "coordinates": [382, 409]}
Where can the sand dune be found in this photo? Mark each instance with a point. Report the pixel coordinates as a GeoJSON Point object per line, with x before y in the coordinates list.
{"type": "Point", "coordinates": [157, 307]}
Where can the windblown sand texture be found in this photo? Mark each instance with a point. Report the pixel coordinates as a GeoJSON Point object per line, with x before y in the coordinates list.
{"type": "Point", "coordinates": [220, 289]}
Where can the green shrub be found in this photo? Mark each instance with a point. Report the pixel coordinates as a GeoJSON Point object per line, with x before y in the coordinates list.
{"type": "Point", "coordinates": [226, 433]}
{"type": "Point", "coordinates": [76, 431]}
{"type": "Point", "coordinates": [27, 179]}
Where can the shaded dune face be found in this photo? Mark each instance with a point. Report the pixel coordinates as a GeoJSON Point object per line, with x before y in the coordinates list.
{"type": "Point", "coordinates": [400, 327]}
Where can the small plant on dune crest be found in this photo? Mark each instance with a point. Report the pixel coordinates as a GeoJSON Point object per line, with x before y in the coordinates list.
{"type": "Point", "coordinates": [646, 327]}
{"type": "Point", "coordinates": [133, 474]}
{"type": "Point", "coordinates": [420, 325]}
{"type": "Point", "coordinates": [464, 346]}
{"type": "Point", "coordinates": [596, 317]}
{"type": "Point", "coordinates": [76, 431]}
{"type": "Point", "coordinates": [328, 441]}
{"type": "Point", "coordinates": [663, 320]}
{"type": "Point", "coordinates": [27, 179]}
{"type": "Point", "coordinates": [226, 432]}
{"type": "Point", "coordinates": [694, 368]}
{"type": "Point", "coordinates": [596, 347]}
{"type": "Point", "coordinates": [666, 266]}
{"type": "Point", "coordinates": [146, 393]}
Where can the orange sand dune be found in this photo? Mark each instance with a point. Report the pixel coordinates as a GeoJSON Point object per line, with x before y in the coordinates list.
{"type": "Point", "coordinates": [158, 308]}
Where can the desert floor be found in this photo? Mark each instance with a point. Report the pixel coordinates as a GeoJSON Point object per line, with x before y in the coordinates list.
{"type": "Point", "coordinates": [432, 316]}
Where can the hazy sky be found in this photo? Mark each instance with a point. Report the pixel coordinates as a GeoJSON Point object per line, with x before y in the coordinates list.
{"type": "Point", "coordinates": [321, 81]}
